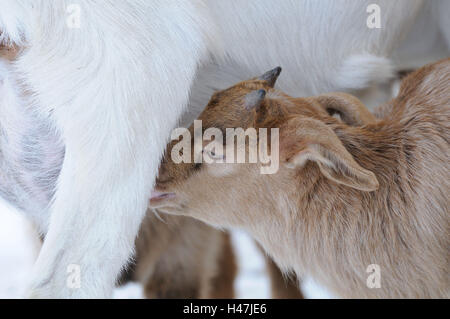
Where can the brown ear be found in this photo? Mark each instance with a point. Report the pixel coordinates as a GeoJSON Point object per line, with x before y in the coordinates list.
{"type": "Point", "coordinates": [312, 140]}
{"type": "Point", "coordinates": [352, 111]}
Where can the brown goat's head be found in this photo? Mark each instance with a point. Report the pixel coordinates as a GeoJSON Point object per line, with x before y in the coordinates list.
{"type": "Point", "coordinates": [303, 137]}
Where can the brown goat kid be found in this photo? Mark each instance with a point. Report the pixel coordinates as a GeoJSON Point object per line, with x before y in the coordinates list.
{"type": "Point", "coordinates": [348, 194]}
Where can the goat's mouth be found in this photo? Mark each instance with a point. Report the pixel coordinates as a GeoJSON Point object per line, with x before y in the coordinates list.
{"type": "Point", "coordinates": [158, 198]}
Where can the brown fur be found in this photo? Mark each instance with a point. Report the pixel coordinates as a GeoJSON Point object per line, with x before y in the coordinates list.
{"type": "Point", "coordinates": [8, 53]}
{"type": "Point", "coordinates": [181, 258]}
{"type": "Point", "coordinates": [349, 108]}
{"type": "Point", "coordinates": [282, 286]}
{"type": "Point", "coordinates": [346, 196]}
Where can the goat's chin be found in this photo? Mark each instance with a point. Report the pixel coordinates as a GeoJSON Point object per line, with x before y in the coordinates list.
{"type": "Point", "coordinates": [167, 206]}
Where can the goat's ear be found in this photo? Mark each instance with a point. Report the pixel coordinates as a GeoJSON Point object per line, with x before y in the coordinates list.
{"type": "Point", "coordinates": [311, 140]}
{"type": "Point", "coordinates": [254, 100]}
{"type": "Point", "coordinates": [351, 110]}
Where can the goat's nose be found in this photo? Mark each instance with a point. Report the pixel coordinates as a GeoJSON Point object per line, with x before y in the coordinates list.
{"type": "Point", "coordinates": [160, 195]}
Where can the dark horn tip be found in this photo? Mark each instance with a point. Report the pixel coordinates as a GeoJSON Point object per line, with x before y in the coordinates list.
{"type": "Point", "coordinates": [272, 76]}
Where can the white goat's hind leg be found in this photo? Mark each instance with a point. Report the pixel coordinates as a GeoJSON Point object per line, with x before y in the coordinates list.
{"type": "Point", "coordinates": [114, 101]}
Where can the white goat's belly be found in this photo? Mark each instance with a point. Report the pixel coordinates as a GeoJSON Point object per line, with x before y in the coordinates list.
{"type": "Point", "coordinates": [30, 162]}
{"type": "Point", "coordinates": [31, 154]}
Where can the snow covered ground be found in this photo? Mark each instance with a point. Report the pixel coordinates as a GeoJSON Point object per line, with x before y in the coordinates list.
{"type": "Point", "coordinates": [18, 249]}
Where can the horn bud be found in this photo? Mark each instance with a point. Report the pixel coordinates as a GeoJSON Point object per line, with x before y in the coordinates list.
{"type": "Point", "coordinates": [271, 77]}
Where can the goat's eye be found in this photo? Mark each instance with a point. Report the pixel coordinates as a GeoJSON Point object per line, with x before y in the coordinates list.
{"type": "Point", "coordinates": [212, 154]}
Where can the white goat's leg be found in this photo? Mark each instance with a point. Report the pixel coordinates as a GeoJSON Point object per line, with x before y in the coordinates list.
{"type": "Point", "coordinates": [114, 88]}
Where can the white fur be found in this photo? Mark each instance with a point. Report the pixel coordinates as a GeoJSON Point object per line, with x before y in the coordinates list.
{"type": "Point", "coordinates": [429, 38]}
{"type": "Point", "coordinates": [31, 152]}
{"type": "Point", "coordinates": [113, 90]}
{"type": "Point", "coordinates": [360, 71]}
{"type": "Point", "coordinates": [323, 46]}
{"type": "Point", "coordinates": [105, 88]}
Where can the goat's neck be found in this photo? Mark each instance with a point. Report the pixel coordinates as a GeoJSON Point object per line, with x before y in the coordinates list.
{"type": "Point", "coordinates": [322, 220]}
